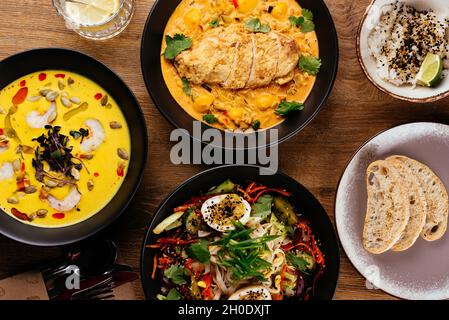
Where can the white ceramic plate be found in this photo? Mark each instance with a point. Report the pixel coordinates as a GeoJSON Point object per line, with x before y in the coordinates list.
{"type": "Point", "coordinates": [421, 272]}
{"type": "Point", "coordinates": [369, 21]}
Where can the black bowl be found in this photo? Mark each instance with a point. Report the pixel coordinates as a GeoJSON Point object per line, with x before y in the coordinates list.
{"type": "Point", "coordinates": [175, 114]}
{"type": "Point", "coordinates": [27, 62]}
{"type": "Point", "coordinates": [306, 203]}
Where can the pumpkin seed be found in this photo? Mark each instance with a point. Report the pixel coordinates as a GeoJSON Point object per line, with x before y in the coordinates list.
{"type": "Point", "coordinates": [104, 100]}
{"type": "Point", "coordinates": [12, 200]}
{"type": "Point", "coordinates": [90, 185]}
{"type": "Point", "coordinates": [51, 183]}
{"type": "Point", "coordinates": [66, 102]}
{"type": "Point", "coordinates": [52, 117]}
{"type": "Point", "coordinates": [61, 84]}
{"type": "Point", "coordinates": [44, 92]}
{"type": "Point", "coordinates": [122, 154]}
{"type": "Point", "coordinates": [41, 213]}
{"type": "Point", "coordinates": [34, 98]}
{"type": "Point", "coordinates": [27, 149]}
{"type": "Point", "coordinates": [16, 165]}
{"type": "Point", "coordinates": [51, 96]}
{"type": "Point", "coordinates": [75, 174]}
{"type": "Point", "coordinates": [30, 189]}
{"type": "Point", "coordinates": [115, 125]}
{"type": "Point", "coordinates": [75, 100]}
{"type": "Point", "coordinates": [70, 81]}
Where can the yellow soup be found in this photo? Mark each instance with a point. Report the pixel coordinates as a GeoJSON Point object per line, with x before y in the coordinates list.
{"type": "Point", "coordinates": [238, 109]}
{"type": "Point", "coordinates": [64, 148]}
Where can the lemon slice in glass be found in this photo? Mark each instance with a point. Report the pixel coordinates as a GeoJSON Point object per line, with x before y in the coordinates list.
{"type": "Point", "coordinates": [431, 70]}
{"type": "Point", "coordinates": [91, 12]}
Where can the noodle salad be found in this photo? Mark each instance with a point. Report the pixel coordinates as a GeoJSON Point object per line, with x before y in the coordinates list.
{"type": "Point", "coordinates": [237, 242]}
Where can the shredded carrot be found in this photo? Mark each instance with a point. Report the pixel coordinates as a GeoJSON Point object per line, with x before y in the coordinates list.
{"type": "Point", "coordinates": [153, 274]}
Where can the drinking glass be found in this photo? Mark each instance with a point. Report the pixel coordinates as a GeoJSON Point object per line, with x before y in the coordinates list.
{"type": "Point", "coordinates": [107, 28]}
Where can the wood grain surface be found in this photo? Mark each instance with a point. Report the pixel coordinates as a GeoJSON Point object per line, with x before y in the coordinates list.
{"type": "Point", "coordinates": [355, 111]}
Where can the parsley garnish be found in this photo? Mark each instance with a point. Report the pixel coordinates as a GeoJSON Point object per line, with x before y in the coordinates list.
{"type": "Point", "coordinates": [210, 118]}
{"type": "Point", "coordinates": [255, 25]}
{"type": "Point", "coordinates": [176, 274]}
{"type": "Point", "coordinates": [256, 125]}
{"type": "Point", "coordinates": [304, 22]}
{"type": "Point", "coordinates": [310, 64]}
{"type": "Point", "coordinates": [287, 107]}
{"type": "Point", "coordinates": [186, 87]}
{"type": "Point", "coordinates": [175, 45]}
{"type": "Point", "coordinates": [199, 251]}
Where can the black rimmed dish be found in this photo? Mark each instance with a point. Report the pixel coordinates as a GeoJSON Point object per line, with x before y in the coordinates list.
{"type": "Point", "coordinates": [178, 117]}
{"type": "Point", "coordinates": [306, 203]}
{"type": "Point", "coordinates": [28, 62]}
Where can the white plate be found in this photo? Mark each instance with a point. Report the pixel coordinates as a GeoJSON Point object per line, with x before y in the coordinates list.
{"type": "Point", "coordinates": [369, 21]}
{"type": "Point", "coordinates": [421, 272]}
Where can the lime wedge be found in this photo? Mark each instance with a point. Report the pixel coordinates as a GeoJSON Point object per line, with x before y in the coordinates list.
{"type": "Point", "coordinates": [431, 70]}
{"type": "Point", "coordinates": [91, 12]}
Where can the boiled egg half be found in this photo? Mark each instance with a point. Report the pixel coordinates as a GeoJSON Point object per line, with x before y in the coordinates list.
{"type": "Point", "coordinates": [251, 293]}
{"type": "Point", "coordinates": [221, 212]}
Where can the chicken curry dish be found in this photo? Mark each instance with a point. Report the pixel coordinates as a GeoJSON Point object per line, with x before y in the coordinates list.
{"type": "Point", "coordinates": [240, 65]}
{"type": "Point", "coordinates": [57, 128]}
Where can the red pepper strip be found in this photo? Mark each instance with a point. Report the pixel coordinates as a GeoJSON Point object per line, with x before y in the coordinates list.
{"type": "Point", "coordinates": [257, 189]}
{"type": "Point", "coordinates": [251, 185]}
{"type": "Point", "coordinates": [2, 132]}
{"type": "Point", "coordinates": [20, 96]}
{"type": "Point", "coordinates": [175, 241]}
{"type": "Point", "coordinates": [245, 194]}
{"type": "Point", "coordinates": [153, 274]}
{"type": "Point", "coordinates": [282, 192]}
{"type": "Point", "coordinates": [20, 215]}
{"type": "Point", "coordinates": [284, 269]}
{"type": "Point", "coordinates": [4, 143]}
{"type": "Point", "coordinates": [235, 3]}
{"type": "Point", "coordinates": [207, 292]}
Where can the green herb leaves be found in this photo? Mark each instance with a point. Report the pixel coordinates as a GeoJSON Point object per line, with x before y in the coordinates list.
{"type": "Point", "coordinates": [199, 251]}
{"type": "Point", "coordinates": [81, 133]}
{"type": "Point", "coordinates": [210, 118]}
{"type": "Point", "coordinates": [254, 25]}
{"type": "Point", "coordinates": [177, 274]}
{"type": "Point", "coordinates": [214, 23]}
{"type": "Point", "coordinates": [304, 22]}
{"type": "Point", "coordinates": [256, 125]}
{"type": "Point", "coordinates": [287, 107]}
{"type": "Point", "coordinates": [310, 64]}
{"type": "Point", "coordinates": [241, 254]}
{"type": "Point", "coordinates": [186, 87]}
{"type": "Point", "coordinates": [262, 207]}
{"type": "Point", "coordinates": [173, 294]}
{"type": "Point", "coordinates": [302, 261]}
{"type": "Point", "coordinates": [175, 45]}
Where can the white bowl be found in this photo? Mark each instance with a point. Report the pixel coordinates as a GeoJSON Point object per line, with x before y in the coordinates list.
{"type": "Point", "coordinates": [368, 63]}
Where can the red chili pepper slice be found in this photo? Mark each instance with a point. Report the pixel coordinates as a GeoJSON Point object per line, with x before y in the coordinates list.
{"type": "Point", "coordinates": [96, 174]}
{"type": "Point", "coordinates": [2, 132]}
{"type": "Point", "coordinates": [20, 215]}
{"type": "Point", "coordinates": [98, 96]}
{"type": "Point", "coordinates": [20, 96]}
{"type": "Point", "coordinates": [23, 83]}
{"type": "Point", "coordinates": [58, 215]}
{"type": "Point", "coordinates": [121, 170]}
{"type": "Point", "coordinates": [42, 76]}
{"type": "Point", "coordinates": [60, 75]}
{"type": "Point", "coordinates": [4, 143]}
{"type": "Point", "coordinates": [235, 3]}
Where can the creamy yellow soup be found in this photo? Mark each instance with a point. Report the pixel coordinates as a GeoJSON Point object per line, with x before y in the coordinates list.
{"type": "Point", "coordinates": [238, 109]}
{"type": "Point", "coordinates": [86, 178]}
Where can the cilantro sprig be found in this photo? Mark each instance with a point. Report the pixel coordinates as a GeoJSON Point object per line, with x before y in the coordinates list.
{"type": "Point", "coordinates": [175, 45]}
{"type": "Point", "coordinates": [304, 22]}
{"type": "Point", "coordinates": [310, 64]}
{"type": "Point", "coordinates": [254, 25]}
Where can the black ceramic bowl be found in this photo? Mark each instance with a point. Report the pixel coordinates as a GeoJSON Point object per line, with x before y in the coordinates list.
{"type": "Point", "coordinates": [175, 114]}
{"type": "Point", "coordinates": [27, 62]}
{"type": "Point", "coordinates": [306, 203]}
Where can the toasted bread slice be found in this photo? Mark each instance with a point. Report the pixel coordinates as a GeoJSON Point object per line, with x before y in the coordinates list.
{"type": "Point", "coordinates": [418, 206]}
{"type": "Point", "coordinates": [387, 212]}
{"type": "Point", "coordinates": [436, 197]}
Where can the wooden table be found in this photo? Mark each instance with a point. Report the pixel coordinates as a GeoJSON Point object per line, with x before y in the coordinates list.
{"type": "Point", "coordinates": [355, 111]}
